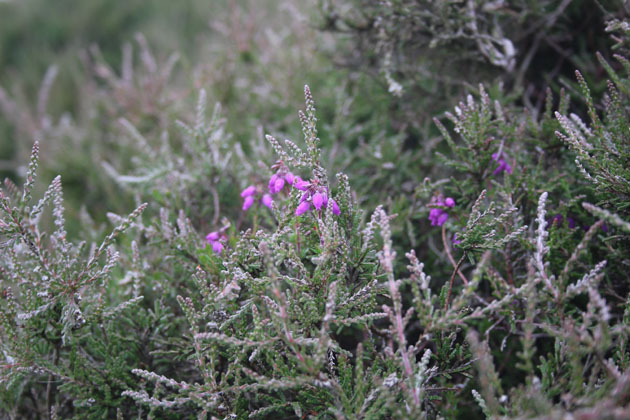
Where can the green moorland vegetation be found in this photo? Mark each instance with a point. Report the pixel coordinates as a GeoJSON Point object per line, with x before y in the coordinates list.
{"type": "Point", "coordinates": [322, 209]}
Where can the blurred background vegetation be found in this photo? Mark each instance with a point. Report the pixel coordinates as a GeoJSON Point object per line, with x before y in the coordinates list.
{"type": "Point", "coordinates": [253, 57]}
{"type": "Point", "coordinates": [35, 35]}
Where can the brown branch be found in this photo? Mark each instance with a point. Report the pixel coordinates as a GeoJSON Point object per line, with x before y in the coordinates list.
{"type": "Point", "coordinates": [450, 256]}
{"type": "Point", "coordinates": [450, 286]}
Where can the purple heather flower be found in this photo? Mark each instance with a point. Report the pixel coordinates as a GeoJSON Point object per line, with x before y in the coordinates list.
{"type": "Point", "coordinates": [249, 195]}
{"type": "Point", "coordinates": [249, 191]}
{"type": "Point", "coordinates": [302, 208]}
{"type": "Point", "coordinates": [217, 247]}
{"type": "Point", "coordinates": [282, 177]}
{"type": "Point", "coordinates": [433, 216]}
{"type": "Point", "coordinates": [438, 214]}
{"type": "Point", "coordinates": [247, 203]}
{"type": "Point", "coordinates": [335, 207]}
{"type": "Point", "coordinates": [314, 195]}
{"type": "Point", "coordinates": [279, 184]}
{"type": "Point", "coordinates": [272, 184]}
{"type": "Point", "coordinates": [557, 219]}
{"type": "Point", "coordinates": [300, 184]}
{"type": "Point", "coordinates": [267, 200]}
{"type": "Point", "coordinates": [318, 200]}
{"type": "Point", "coordinates": [289, 177]}
{"type": "Point", "coordinates": [503, 164]}
{"type": "Point", "coordinates": [212, 237]}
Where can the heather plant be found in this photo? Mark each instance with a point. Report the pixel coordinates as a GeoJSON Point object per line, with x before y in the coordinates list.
{"type": "Point", "coordinates": [472, 266]}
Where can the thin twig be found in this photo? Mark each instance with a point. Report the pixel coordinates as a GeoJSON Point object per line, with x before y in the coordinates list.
{"type": "Point", "coordinates": [50, 387]}
{"type": "Point", "coordinates": [447, 249]}
{"type": "Point", "coordinates": [450, 286]}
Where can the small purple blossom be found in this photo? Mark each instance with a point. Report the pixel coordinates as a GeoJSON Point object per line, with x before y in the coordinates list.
{"type": "Point", "coordinates": [266, 200]}
{"type": "Point", "coordinates": [335, 207]}
{"type": "Point", "coordinates": [289, 177]}
{"type": "Point", "coordinates": [249, 191]}
{"type": "Point", "coordinates": [247, 203]}
{"type": "Point", "coordinates": [503, 164]}
{"type": "Point", "coordinates": [217, 247]}
{"type": "Point", "coordinates": [279, 185]}
{"type": "Point", "coordinates": [300, 184]}
{"type": "Point", "coordinates": [302, 208]}
{"type": "Point", "coordinates": [318, 200]}
{"type": "Point", "coordinates": [558, 220]}
{"type": "Point", "coordinates": [212, 236]}
{"type": "Point", "coordinates": [214, 239]}
{"type": "Point", "coordinates": [438, 214]}
{"type": "Point", "coordinates": [456, 241]}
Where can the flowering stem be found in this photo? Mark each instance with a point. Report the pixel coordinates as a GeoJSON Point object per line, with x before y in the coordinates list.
{"type": "Point", "coordinates": [255, 220]}
{"type": "Point", "coordinates": [447, 248]}
{"type": "Point", "coordinates": [402, 342]}
{"type": "Point", "coordinates": [450, 286]}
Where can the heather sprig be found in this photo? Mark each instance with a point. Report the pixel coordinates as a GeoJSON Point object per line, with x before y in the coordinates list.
{"type": "Point", "coordinates": [293, 155]}
{"type": "Point", "coordinates": [486, 230]}
{"type": "Point", "coordinates": [601, 148]}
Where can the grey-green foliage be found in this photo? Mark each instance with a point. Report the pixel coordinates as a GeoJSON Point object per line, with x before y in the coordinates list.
{"type": "Point", "coordinates": [56, 307]}
{"type": "Point", "coordinates": [524, 315]}
{"type": "Point", "coordinates": [602, 149]}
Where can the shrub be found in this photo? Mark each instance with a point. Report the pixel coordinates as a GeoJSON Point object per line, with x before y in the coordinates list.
{"type": "Point", "coordinates": [259, 281]}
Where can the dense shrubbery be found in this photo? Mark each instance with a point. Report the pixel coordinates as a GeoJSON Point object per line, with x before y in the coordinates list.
{"type": "Point", "coordinates": [386, 265]}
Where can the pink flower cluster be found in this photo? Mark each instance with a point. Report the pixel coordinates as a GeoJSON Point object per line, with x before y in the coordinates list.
{"type": "Point", "coordinates": [215, 240]}
{"type": "Point", "coordinates": [438, 214]}
{"type": "Point", "coordinates": [503, 164]}
{"type": "Point", "coordinates": [315, 196]}
{"type": "Point", "coordinates": [281, 178]}
{"type": "Point", "coordinates": [249, 197]}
